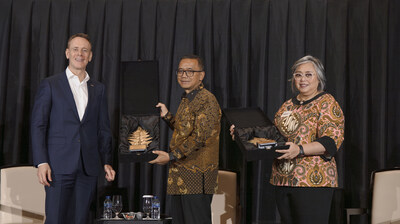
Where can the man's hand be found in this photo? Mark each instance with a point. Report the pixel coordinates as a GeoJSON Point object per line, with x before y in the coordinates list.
{"type": "Point", "coordinates": [110, 173]}
{"type": "Point", "coordinates": [163, 109]}
{"type": "Point", "coordinates": [44, 174]}
{"type": "Point", "coordinates": [232, 131]}
{"type": "Point", "coordinates": [162, 158]}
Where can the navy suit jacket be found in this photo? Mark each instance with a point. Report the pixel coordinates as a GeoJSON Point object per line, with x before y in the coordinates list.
{"type": "Point", "coordinates": [58, 135]}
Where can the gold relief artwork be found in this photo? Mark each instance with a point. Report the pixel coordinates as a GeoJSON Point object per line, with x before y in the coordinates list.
{"type": "Point", "coordinates": [139, 139]}
{"type": "Point", "coordinates": [256, 141]}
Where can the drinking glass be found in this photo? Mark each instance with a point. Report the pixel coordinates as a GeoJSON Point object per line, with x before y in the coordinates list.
{"type": "Point", "coordinates": [117, 205]}
{"type": "Point", "coordinates": [147, 205]}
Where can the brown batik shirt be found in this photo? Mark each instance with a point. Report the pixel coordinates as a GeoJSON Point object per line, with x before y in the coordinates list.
{"type": "Point", "coordinates": [194, 144]}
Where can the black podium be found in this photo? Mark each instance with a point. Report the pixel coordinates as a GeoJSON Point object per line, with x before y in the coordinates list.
{"type": "Point", "coordinates": [139, 93]}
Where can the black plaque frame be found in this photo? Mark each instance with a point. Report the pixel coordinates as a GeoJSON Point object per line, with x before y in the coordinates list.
{"type": "Point", "coordinates": [139, 94]}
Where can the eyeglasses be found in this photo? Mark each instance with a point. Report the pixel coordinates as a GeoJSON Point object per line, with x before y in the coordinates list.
{"type": "Point", "coordinates": [306, 76]}
{"type": "Point", "coordinates": [189, 73]}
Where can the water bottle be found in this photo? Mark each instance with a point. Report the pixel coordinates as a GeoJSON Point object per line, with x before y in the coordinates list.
{"type": "Point", "coordinates": [107, 212]}
{"type": "Point", "coordinates": [155, 213]}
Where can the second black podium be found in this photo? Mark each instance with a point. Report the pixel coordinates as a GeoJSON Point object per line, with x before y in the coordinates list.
{"type": "Point", "coordinates": [252, 164]}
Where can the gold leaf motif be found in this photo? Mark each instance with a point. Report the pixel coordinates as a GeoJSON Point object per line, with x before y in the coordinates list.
{"type": "Point", "coordinates": [139, 139]}
{"type": "Point", "coordinates": [315, 176]}
{"type": "Point", "coordinates": [183, 190]}
{"type": "Point", "coordinates": [180, 181]}
{"type": "Point", "coordinates": [336, 111]}
{"type": "Point", "coordinates": [201, 116]}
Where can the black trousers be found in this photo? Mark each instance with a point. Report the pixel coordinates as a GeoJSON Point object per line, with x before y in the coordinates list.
{"type": "Point", "coordinates": [304, 205]}
{"type": "Point", "coordinates": [190, 209]}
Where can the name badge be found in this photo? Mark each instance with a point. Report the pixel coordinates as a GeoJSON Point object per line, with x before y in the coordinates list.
{"type": "Point", "coordinates": [286, 114]}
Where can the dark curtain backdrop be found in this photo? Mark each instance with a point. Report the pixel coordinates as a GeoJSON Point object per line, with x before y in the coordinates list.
{"type": "Point", "coordinates": [248, 47]}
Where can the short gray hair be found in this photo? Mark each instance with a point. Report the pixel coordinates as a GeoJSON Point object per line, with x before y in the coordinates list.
{"type": "Point", "coordinates": [318, 66]}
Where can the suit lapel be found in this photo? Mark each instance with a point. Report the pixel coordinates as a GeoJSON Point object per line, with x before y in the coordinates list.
{"type": "Point", "coordinates": [91, 92]}
{"type": "Point", "coordinates": [68, 93]}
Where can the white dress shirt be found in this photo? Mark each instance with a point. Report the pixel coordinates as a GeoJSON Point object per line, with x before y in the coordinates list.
{"type": "Point", "coordinates": [79, 90]}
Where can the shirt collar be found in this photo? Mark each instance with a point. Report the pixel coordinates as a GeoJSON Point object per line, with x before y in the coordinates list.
{"type": "Point", "coordinates": [298, 102]}
{"type": "Point", "coordinates": [190, 96]}
{"type": "Point", "coordinates": [71, 75]}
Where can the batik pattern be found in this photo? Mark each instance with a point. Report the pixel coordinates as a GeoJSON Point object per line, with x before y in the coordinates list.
{"type": "Point", "coordinates": [304, 124]}
{"type": "Point", "coordinates": [195, 144]}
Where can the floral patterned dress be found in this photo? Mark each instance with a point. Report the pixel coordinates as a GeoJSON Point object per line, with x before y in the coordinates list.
{"type": "Point", "coordinates": [320, 119]}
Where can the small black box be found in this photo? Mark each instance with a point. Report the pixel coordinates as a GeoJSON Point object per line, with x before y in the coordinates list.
{"type": "Point", "coordinates": [250, 123]}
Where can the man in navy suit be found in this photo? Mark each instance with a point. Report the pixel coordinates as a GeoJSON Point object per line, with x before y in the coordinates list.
{"type": "Point", "coordinates": [71, 137]}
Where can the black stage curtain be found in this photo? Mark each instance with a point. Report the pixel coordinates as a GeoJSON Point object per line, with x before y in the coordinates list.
{"type": "Point", "coordinates": [248, 47]}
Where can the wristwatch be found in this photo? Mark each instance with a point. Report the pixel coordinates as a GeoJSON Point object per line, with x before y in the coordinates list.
{"type": "Point", "coordinates": [171, 157]}
{"type": "Point", "coordinates": [301, 152]}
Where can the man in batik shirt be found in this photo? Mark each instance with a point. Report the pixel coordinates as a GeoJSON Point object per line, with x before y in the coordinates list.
{"type": "Point", "coordinates": [193, 153]}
